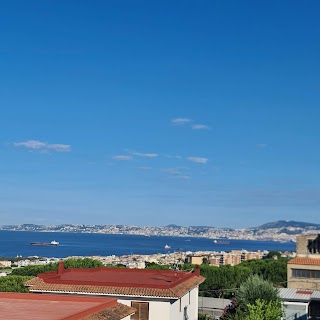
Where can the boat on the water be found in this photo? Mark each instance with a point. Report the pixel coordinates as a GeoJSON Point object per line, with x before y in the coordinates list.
{"type": "Point", "coordinates": [221, 241]}
{"type": "Point", "coordinates": [167, 247]}
{"type": "Point", "coordinates": [50, 244]}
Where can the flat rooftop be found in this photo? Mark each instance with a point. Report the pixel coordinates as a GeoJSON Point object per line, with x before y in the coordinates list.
{"type": "Point", "coordinates": [26, 306]}
{"type": "Point", "coordinates": [117, 281]}
{"type": "Point", "coordinates": [119, 277]}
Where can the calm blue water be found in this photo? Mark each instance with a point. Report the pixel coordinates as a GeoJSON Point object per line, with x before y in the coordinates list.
{"type": "Point", "coordinates": [13, 243]}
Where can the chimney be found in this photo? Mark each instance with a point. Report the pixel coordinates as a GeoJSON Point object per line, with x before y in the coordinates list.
{"type": "Point", "coordinates": [60, 267]}
{"type": "Point", "coordinates": [197, 270]}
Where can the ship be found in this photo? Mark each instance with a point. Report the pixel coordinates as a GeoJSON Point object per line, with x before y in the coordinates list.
{"type": "Point", "coordinates": [49, 244]}
{"type": "Point", "coordinates": [221, 241]}
{"type": "Point", "coordinates": [167, 247]}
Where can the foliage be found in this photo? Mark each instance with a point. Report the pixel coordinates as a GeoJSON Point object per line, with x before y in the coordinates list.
{"type": "Point", "coordinates": [230, 311]}
{"type": "Point", "coordinates": [256, 299]}
{"type": "Point", "coordinates": [34, 270]}
{"type": "Point", "coordinates": [256, 288]}
{"type": "Point", "coordinates": [271, 254]}
{"type": "Point", "coordinates": [13, 284]}
{"type": "Point", "coordinates": [269, 269]}
{"type": "Point", "coordinates": [82, 263]}
{"type": "Point", "coordinates": [155, 266]}
{"type": "Point", "coordinates": [263, 310]}
{"type": "Point", "coordinates": [222, 281]}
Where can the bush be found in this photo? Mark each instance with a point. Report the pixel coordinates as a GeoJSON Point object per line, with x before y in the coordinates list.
{"type": "Point", "coordinates": [13, 284]}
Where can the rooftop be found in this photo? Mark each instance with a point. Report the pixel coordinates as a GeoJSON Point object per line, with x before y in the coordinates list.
{"type": "Point", "coordinates": [305, 261]}
{"type": "Point", "coordinates": [292, 294]}
{"type": "Point", "coordinates": [117, 281]}
{"type": "Point", "coordinates": [24, 306]}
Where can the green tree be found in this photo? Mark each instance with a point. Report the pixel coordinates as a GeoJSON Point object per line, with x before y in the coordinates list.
{"type": "Point", "coordinates": [269, 269]}
{"type": "Point", "coordinates": [263, 310]}
{"type": "Point", "coordinates": [222, 281]}
{"type": "Point", "coordinates": [13, 284]}
{"type": "Point", "coordinates": [34, 270]}
{"type": "Point", "coordinates": [156, 266]}
{"type": "Point", "coordinates": [82, 263]}
{"type": "Point", "coordinates": [256, 288]}
{"type": "Point", "coordinates": [272, 254]}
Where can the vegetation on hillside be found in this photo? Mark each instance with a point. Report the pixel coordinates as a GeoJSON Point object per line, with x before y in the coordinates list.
{"type": "Point", "coordinates": [256, 299]}
{"type": "Point", "coordinates": [225, 280]}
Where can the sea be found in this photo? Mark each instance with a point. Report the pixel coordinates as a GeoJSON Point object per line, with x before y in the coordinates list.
{"type": "Point", "coordinates": [17, 243]}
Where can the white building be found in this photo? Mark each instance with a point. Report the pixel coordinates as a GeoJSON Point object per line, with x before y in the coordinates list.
{"type": "Point", "coordinates": [5, 264]}
{"type": "Point", "coordinates": [156, 294]}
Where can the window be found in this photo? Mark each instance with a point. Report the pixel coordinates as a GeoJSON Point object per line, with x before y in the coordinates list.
{"type": "Point", "coordinates": [142, 312]}
{"type": "Point", "coordinates": [314, 245]}
{"type": "Point", "coordinates": [302, 273]}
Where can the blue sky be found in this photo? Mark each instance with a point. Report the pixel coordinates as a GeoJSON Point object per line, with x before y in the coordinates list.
{"type": "Point", "coordinates": [151, 113]}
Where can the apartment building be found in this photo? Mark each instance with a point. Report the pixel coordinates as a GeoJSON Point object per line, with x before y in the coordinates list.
{"type": "Point", "coordinates": [303, 292]}
{"type": "Point", "coordinates": [304, 269]}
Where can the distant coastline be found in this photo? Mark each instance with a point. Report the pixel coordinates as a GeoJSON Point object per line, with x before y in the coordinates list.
{"type": "Point", "coordinates": [280, 231]}
{"type": "Point", "coordinates": [13, 243]}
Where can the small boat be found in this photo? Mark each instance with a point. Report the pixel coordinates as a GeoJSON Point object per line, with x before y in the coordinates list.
{"type": "Point", "coordinates": [167, 247]}
{"type": "Point", "coordinates": [49, 244]}
{"type": "Point", "coordinates": [221, 241]}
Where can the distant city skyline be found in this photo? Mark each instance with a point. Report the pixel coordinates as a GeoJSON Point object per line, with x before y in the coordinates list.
{"type": "Point", "coordinates": [140, 113]}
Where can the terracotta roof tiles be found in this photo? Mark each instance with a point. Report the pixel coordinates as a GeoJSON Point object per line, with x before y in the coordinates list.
{"type": "Point", "coordinates": [39, 285]}
{"type": "Point", "coordinates": [305, 261]}
{"type": "Point", "coordinates": [114, 313]}
{"type": "Point", "coordinates": [119, 282]}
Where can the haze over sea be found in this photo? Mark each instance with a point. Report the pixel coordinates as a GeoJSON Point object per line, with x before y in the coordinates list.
{"type": "Point", "coordinates": [13, 243]}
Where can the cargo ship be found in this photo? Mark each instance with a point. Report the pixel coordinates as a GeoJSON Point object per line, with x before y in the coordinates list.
{"type": "Point", "coordinates": [50, 244]}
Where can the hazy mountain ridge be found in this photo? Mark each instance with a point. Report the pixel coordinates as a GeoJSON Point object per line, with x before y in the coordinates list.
{"type": "Point", "coordinates": [284, 224]}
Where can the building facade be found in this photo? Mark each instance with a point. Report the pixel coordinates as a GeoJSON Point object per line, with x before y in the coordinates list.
{"type": "Point", "coordinates": [303, 292]}
{"type": "Point", "coordinates": [304, 270]}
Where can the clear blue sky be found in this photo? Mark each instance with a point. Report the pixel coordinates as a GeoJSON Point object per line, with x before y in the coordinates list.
{"type": "Point", "coordinates": [159, 112]}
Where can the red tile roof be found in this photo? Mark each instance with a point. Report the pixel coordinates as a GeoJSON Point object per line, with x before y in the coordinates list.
{"type": "Point", "coordinates": [114, 313]}
{"type": "Point", "coordinates": [305, 261]}
{"type": "Point", "coordinates": [111, 281]}
{"type": "Point", "coordinates": [24, 306]}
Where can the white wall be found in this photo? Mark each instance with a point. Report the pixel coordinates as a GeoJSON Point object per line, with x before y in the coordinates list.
{"type": "Point", "coordinates": [189, 300]}
{"type": "Point", "coordinates": [158, 310]}
{"type": "Point", "coordinates": [295, 310]}
{"type": "Point", "coordinates": [161, 309]}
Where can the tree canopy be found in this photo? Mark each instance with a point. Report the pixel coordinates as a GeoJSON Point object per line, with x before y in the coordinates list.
{"type": "Point", "coordinates": [13, 284]}
{"type": "Point", "coordinates": [34, 270]}
{"type": "Point", "coordinates": [256, 299]}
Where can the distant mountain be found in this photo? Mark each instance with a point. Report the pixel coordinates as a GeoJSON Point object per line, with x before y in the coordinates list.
{"type": "Point", "coordinates": [288, 224]}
